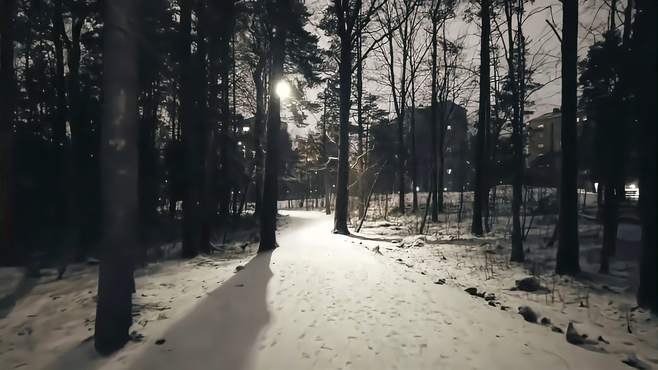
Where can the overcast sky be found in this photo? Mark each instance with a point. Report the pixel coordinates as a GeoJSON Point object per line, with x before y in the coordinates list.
{"type": "Point", "coordinates": [544, 51]}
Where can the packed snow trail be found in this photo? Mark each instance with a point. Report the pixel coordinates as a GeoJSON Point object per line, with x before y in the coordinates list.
{"type": "Point", "coordinates": [320, 301]}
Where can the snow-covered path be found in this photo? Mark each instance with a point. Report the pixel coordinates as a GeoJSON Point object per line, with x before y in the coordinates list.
{"type": "Point", "coordinates": [321, 302]}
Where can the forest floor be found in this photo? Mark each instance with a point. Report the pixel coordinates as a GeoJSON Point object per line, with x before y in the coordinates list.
{"type": "Point", "coordinates": [320, 301]}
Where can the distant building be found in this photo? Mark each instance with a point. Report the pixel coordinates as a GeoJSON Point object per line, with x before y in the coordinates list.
{"type": "Point", "coordinates": [457, 154]}
{"type": "Point", "coordinates": [544, 148]}
{"type": "Point", "coordinates": [544, 134]}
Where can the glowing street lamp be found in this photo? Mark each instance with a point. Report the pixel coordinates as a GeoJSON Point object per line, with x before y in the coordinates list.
{"type": "Point", "coordinates": [282, 89]}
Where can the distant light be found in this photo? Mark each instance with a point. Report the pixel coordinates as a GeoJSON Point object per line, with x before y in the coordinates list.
{"type": "Point", "coordinates": [449, 171]}
{"type": "Point", "coordinates": [596, 187]}
{"type": "Point", "coordinates": [283, 89]}
{"type": "Point", "coordinates": [245, 129]}
{"type": "Point", "coordinates": [445, 189]}
{"type": "Point", "coordinates": [417, 188]}
{"type": "Point", "coordinates": [239, 143]}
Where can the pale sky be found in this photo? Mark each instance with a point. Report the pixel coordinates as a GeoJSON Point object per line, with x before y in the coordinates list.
{"type": "Point", "coordinates": [544, 53]}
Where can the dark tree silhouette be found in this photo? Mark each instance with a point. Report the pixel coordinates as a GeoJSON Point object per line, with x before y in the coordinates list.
{"type": "Point", "coordinates": [645, 83]}
{"type": "Point", "coordinates": [480, 188]}
{"type": "Point", "coordinates": [568, 252]}
{"type": "Point", "coordinates": [277, 10]}
{"type": "Point", "coordinates": [7, 100]}
{"type": "Point", "coordinates": [434, 13]}
{"type": "Point", "coordinates": [119, 163]}
{"type": "Point", "coordinates": [191, 139]}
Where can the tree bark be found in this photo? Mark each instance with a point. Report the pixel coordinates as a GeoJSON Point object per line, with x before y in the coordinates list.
{"type": "Point", "coordinates": [517, 139]}
{"type": "Point", "coordinates": [8, 252]}
{"type": "Point", "coordinates": [271, 183]}
{"type": "Point", "coordinates": [568, 253]}
{"type": "Point", "coordinates": [433, 119]}
{"type": "Point", "coordinates": [119, 164]}
{"type": "Point", "coordinates": [344, 72]}
{"type": "Point", "coordinates": [644, 63]}
{"type": "Point", "coordinates": [480, 192]}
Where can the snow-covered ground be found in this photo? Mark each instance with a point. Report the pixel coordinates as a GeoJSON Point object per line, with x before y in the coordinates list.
{"type": "Point", "coordinates": [320, 301]}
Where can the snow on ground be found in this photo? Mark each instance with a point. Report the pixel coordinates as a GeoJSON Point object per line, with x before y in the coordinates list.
{"type": "Point", "coordinates": [320, 301]}
{"type": "Point", "coordinates": [48, 323]}
{"type": "Point", "coordinates": [598, 305]}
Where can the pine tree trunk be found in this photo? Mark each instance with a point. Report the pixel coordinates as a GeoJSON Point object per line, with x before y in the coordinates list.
{"type": "Point", "coordinates": [480, 186]}
{"type": "Point", "coordinates": [433, 122]}
{"type": "Point", "coordinates": [344, 71]}
{"type": "Point", "coordinates": [8, 253]}
{"type": "Point", "coordinates": [119, 166]}
{"type": "Point", "coordinates": [271, 183]}
{"type": "Point", "coordinates": [568, 253]}
{"type": "Point", "coordinates": [645, 68]}
{"type": "Point", "coordinates": [517, 140]}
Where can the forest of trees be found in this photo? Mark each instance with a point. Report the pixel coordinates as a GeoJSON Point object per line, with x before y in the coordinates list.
{"type": "Point", "coordinates": [124, 124]}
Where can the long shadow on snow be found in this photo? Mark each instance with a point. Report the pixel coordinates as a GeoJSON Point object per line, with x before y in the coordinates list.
{"type": "Point", "coordinates": [218, 333]}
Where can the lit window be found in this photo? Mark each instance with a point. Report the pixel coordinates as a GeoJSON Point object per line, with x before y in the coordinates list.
{"type": "Point", "coordinates": [449, 171]}
{"type": "Point", "coordinates": [449, 127]}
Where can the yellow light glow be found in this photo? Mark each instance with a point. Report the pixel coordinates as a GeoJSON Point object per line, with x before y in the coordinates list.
{"type": "Point", "coordinates": [283, 89]}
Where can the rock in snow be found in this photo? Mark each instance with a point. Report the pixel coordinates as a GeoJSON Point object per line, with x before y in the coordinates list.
{"type": "Point", "coordinates": [528, 284]}
{"type": "Point", "coordinates": [633, 361]}
{"type": "Point", "coordinates": [528, 314]}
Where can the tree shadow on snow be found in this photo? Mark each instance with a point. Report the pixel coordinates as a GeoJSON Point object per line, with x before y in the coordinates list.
{"type": "Point", "coordinates": [374, 239]}
{"type": "Point", "coordinates": [8, 302]}
{"type": "Point", "coordinates": [220, 332]}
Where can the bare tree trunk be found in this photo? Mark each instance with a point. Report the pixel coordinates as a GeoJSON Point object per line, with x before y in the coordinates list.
{"type": "Point", "coordinates": [412, 122]}
{"type": "Point", "coordinates": [8, 252]}
{"type": "Point", "coordinates": [433, 119]}
{"type": "Point", "coordinates": [344, 71]}
{"type": "Point", "coordinates": [517, 139]}
{"type": "Point", "coordinates": [480, 186]}
{"type": "Point", "coordinates": [119, 172]}
{"type": "Point", "coordinates": [568, 249]}
{"type": "Point", "coordinates": [644, 36]}
{"type": "Point", "coordinates": [271, 183]}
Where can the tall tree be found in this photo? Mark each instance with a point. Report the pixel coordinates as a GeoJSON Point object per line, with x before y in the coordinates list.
{"type": "Point", "coordinates": [346, 27]}
{"type": "Point", "coordinates": [191, 139]}
{"type": "Point", "coordinates": [514, 56]}
{"type": "Point", "coordinates": [7, 100]}
{"type": "Point", "coordinates": [568, 253]}
{"type": "Point", "coordinates": [480, 187]}
{"type": "Point", "coordinates": [434, 14]}
{"type": "Point", "coordinates": [645, 82]}
{"type": "Point", "coordinates": [277, 10]}
{"type": "Point", "coordinates": [119, 172]}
